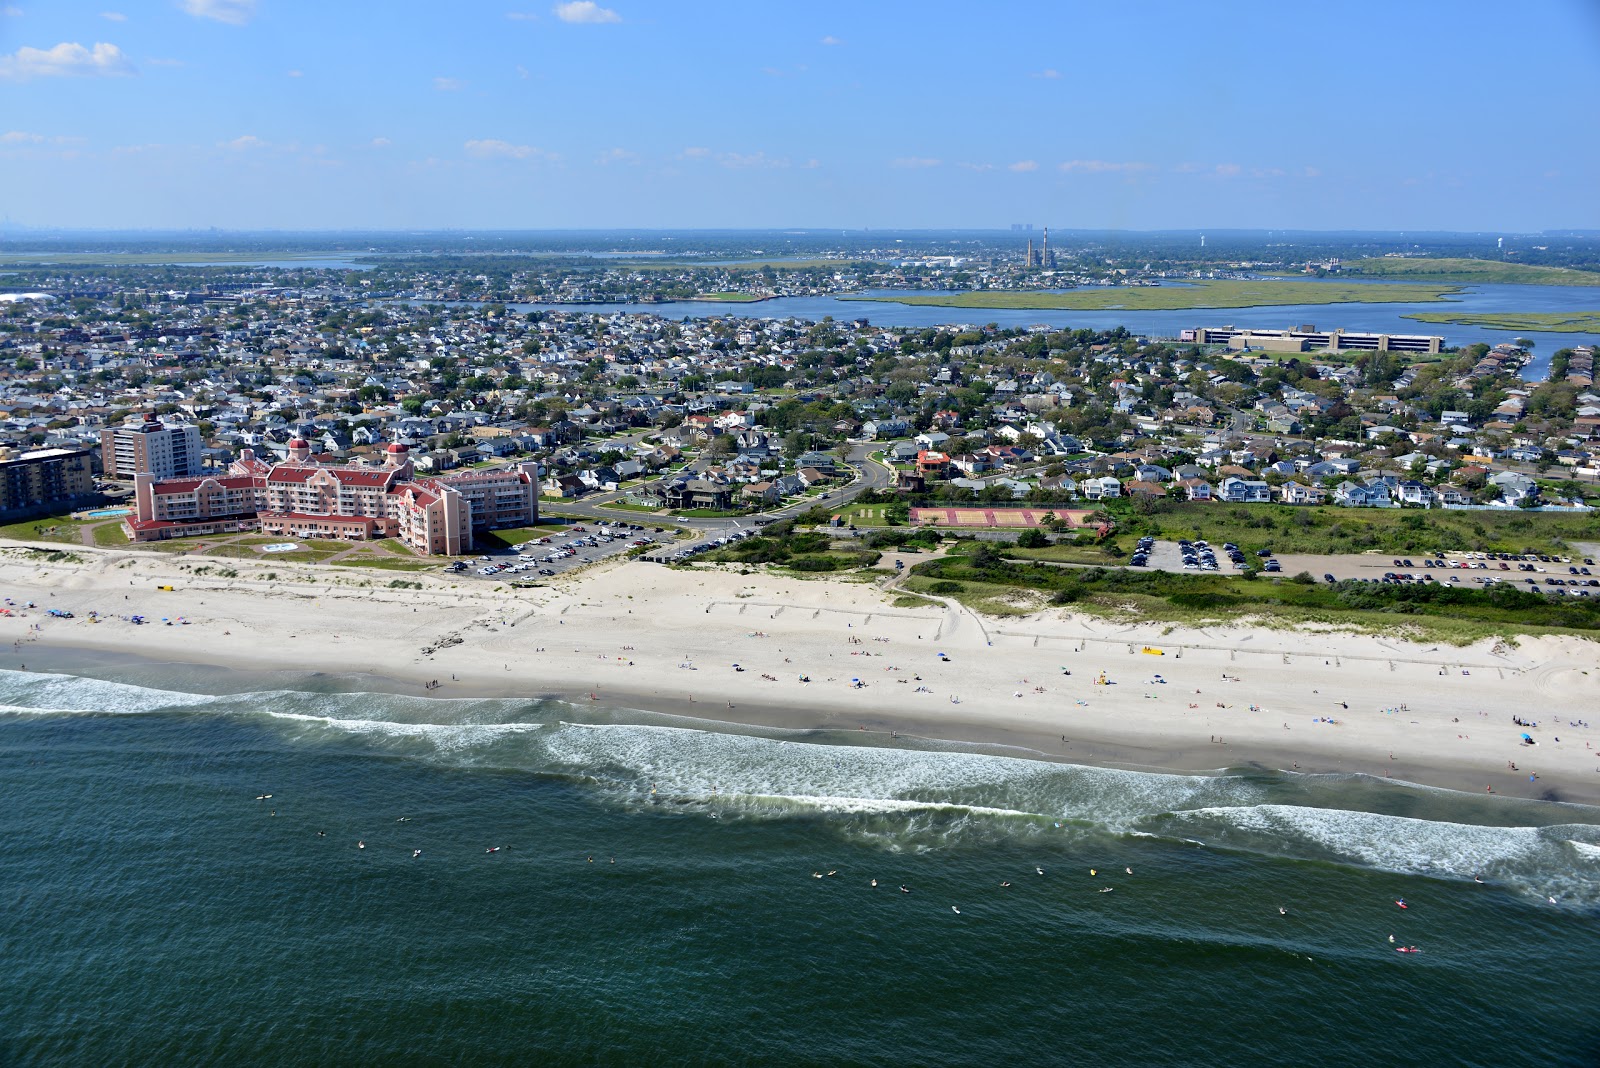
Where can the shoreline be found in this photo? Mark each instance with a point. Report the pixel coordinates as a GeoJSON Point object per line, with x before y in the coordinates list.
{"type": "Point", "coordinates": [776, 721]}
{"type": "Point", "coordinates": [628, 632]}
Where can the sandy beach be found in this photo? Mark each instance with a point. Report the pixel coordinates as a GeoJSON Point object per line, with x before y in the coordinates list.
{"type": "Point", "coordinates": [1053, 685]}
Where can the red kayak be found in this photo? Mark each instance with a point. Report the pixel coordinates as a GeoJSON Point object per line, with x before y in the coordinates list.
{"type": "Point", "coordinates": [1407, 949]}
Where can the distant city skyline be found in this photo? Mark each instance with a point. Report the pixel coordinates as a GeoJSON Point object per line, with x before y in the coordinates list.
{"type": "Point", "coordinates": [244, 114]}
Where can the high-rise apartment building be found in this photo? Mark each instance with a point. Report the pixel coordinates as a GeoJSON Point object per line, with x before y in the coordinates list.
{"type": "Point", "coordinates": [45, 481]}
{"type": "Point", "coordinates": [150, 448]}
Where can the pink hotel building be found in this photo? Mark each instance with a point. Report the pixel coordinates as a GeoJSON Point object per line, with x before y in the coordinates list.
{"type": "Point", "coordinates": [304, 499]}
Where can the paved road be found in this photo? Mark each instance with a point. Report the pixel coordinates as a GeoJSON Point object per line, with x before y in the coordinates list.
{"type": "Point", "coordinates": [869, 474]}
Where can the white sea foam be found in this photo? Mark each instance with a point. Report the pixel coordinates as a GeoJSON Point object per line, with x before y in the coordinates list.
{"type": "Point", "coordinates": [897, 798]}
{"type": "Point", "coordinates": [71, 693]}
{"type": "Point", "coordinates": [702, 763]}
{"type": "Point", "coordinates": [444, 737]}
{"type": "Point", "coordinates": [1535, 860]}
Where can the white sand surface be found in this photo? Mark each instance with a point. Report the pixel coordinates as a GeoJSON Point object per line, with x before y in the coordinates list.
{"type": "Point", "coordinates": [642, 635]}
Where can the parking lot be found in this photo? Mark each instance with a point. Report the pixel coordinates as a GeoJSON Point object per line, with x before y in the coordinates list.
{"type": "Point", "coordinates": [1556, 576]}
{"type": "Point", "coordinates": [711, 539]}
{"type": "Point", "coordinates": [562, 550]}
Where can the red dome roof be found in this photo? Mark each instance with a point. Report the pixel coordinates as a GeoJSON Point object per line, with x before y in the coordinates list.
{"type": "Point", "coordinates": [299, 443]}
{"type": "Point", "coordinates": [397, 447]}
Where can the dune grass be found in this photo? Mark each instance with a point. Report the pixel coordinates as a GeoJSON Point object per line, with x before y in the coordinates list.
{"type": "Point", "coordinates": [1448, 612]}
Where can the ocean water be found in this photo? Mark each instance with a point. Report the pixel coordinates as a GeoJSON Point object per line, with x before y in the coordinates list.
{"type": "Point", "coordinates": [666, 893]}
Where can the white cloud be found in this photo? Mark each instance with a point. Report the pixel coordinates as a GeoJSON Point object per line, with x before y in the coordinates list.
{"type": "Point", "coordinates": [1311, 172]}
{"type": "Point", "coordinates": [18, 137]}
{"type": "Point", "coordinates": [694, 152]}
{"type": "Point", "coordinates": [1228, 170]}
{"type": "Point", "coordinates": [1101, 166]}
{"type": "Point", "coordinates": [64, 60]}
{"type": "Point", "coordinates": [523, 72]}
{"type": "Point", "coordinates": [379, 142]}
{"type": "Point", "coordinates": [831, 40]}
{"type": "Point", "coordinates": [11, 11]}
{"type": "Point", "coordinates": [585, 11]}
{"type": "Point", "coordinates": [296, 74]}
{"type": "Point", "coordinates": [522, 16]}
{"type": "Point", "coordinates": [233, 12]}
{"type": "Point", "coordinates": [976, 166]}
{"type": "Point", "coordinates": [243, 144]}
{"type": "Point", "coordinates": [449, 85]}
{"type": "Point", "coordinates": [741, 161]}
{"type": "Point", "coordinates": [617, 155]}
{"type": "Point", "coordinates": [113, 16]}
{"type": "Point", "coordinates": [916, 162]}
{"type": "Point", "coordinates": [1022, 166]}
{"type": "Point", "coordinates": [1050, 74]}
{"type": "Point", "coordinates": [493, 148]}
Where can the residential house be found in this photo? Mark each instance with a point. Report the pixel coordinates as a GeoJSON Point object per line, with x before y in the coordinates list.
{"type": "Point", "coordinates": [1300, 493]}
{"type": "Point", "coordinates": [1237, 490]}
{"type": "Point", "coordinates": [1100, 488]}
{"type": "Point", "coordinates": [1357, 495]}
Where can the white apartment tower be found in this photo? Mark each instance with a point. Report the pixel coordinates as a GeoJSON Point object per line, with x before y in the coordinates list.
{"type": "Point", "coordinates": [151, 448]}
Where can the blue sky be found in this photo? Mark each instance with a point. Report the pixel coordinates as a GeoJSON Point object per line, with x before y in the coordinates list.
{"type": "Point", "coordinates": [1402, 114]}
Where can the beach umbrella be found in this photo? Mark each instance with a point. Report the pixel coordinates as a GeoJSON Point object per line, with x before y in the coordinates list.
{"type": "Point", "coordinates": [1527, 737]}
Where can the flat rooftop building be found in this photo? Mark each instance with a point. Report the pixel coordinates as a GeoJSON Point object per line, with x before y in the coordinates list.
{"type": "Point", "coordinates": [45, 481]}
{"type": "Point", "coordinates": [1314, 340]}
{"type": "Point", "coordinates": [150, 448]}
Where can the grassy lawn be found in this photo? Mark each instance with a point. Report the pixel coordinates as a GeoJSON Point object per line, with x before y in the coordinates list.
{"type": "Point", "coordinates": [110, 535]}
{"type": "Point", "coordinates": [621, 506]}
{"type": "Point", "coordinates": [1331, 529]}
{"type": "Point", "coordinates": [1068, 554]}
{"type": "Point", "coordinates": [510, 537]}
{"type": "Point", "coordinates": [1586, 322]}
{"type": "Point", "coordinates": [864, 515]}
{"type": "Point", "coordinates": [1465, 270]}
{"type": "Point", "coordinates": [300, 557]}
{"type": "Point", "coordinates": [385, 563]}
{"type": "Point", "coordinates": [47, 528]}
{"type": "Point", "coordinates": [1199, 293]}
{"type": "Point", "coordinates": [729, 297]}
{"type": "Point", "coordinates": [1445, 612]}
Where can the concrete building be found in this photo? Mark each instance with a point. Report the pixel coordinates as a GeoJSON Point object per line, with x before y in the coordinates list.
{"type": "Point", "coordinates": [502, 497]}
{"type": "Point", "coordinates": [304, 499]}
{"type": "Point", "coordinates": [1309, 340]}
{"type": "Point", "coordinates": [150, 448]}
{"type": "Point", "coordinates": [45, 481]}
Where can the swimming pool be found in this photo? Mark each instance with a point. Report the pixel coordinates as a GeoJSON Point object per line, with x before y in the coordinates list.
{"type": "Point", "coordinates": [106, 513]}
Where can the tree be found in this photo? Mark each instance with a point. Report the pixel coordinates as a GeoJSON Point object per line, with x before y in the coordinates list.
{"type": "Point", "coordinates": [1032, 538]}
